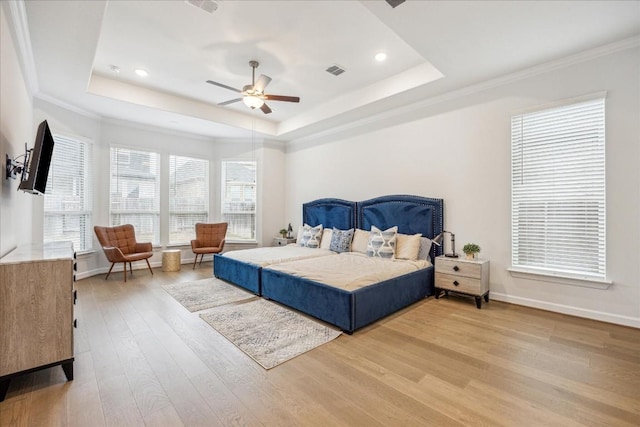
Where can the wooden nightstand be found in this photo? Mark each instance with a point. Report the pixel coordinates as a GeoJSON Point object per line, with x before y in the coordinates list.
{"type": "Point", "coordinates": [283, 241]}
{"type": "Point", "coordinates": [464, 276]}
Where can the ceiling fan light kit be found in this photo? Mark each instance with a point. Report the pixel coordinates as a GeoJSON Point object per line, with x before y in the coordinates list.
{"type": "Point", "coordinates": [253, 95]}
{"type": "Point", "coordinates": [252, 101]}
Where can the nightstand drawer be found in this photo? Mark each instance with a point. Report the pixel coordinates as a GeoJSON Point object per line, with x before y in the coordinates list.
{"type": "Point", "coordinates": [459, 283]}
{"type": "Point", "coordinates": [454, 266]}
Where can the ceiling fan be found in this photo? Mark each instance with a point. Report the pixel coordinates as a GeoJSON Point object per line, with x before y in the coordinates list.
{"type": "Point", "coordinates": [253, 95]}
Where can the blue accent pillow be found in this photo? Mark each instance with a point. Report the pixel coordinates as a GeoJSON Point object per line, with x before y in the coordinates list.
{"type": "Point", "coordinates": [382, 243]}
{"type": "Point", "coordinates": [311, 236]}
{"type": "Point", "coordinates": [341, 240]}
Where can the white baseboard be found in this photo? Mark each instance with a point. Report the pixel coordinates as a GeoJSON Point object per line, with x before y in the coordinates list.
{"type": "Point", "coordinates": [136, 266]}
{"type": "Point", "coordinates": [634, 322]}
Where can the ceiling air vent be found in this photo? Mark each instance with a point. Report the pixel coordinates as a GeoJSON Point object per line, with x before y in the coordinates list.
{"type": "Point", "coordinates": [207, 5]}
{"type": "Point", "coordinates": [395, 3]}
{"type": "Point", "coordinates": [336, 70]}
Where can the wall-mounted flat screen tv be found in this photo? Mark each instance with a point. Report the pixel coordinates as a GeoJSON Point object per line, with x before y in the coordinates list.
{"type": "Point", "coordinates": [34, 179]}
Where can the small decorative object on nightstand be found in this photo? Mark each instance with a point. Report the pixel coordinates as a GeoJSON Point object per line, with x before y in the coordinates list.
{"type": "Point", "coordinates": [464, 276]}
{"type": "Point", "coordinates": [283, 241]}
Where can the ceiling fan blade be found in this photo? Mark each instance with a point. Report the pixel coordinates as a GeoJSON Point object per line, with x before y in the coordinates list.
{"type": "Point", "coordinates": [282, 98]}
{"type": "Point", "coordinates": [224, 86]}
{"type": "Point", "coordinates": [261, 83]}
{"type": "Point", "coordinates": [231, 101]}
{"type": "Point", "coordinates": [265, 109]}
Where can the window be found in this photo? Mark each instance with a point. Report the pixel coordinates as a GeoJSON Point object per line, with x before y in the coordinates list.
{"type": "Point", "coordinates": [558, 190]}
{"type": "Point", "coordinates": [67, 198]}
{"type": "Point", "coordinates": [188, 197]}
{"type": "Point", "coordinates": [135, 192]}
{"type": "Point", "coordinates": [239, 200]}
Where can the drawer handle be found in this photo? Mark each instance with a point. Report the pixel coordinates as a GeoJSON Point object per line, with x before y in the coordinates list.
{"type": "Point", "coordinates": [75, 296]}
{"type": "Point", "coordinates": [456, 268]}
{"type": "Point", "coordinates": [455, 283]}
{"type": "Point", "coordinates": [75, 323]}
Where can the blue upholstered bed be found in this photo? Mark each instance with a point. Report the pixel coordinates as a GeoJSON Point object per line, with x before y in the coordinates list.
{"type": "Point", "coordinates": [329, 212]}
{"type": "Point", "coordinates": [351, 310]}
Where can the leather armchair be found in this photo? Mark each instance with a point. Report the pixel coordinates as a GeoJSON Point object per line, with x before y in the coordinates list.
{"type": "Point", "coordinates": [119, 245]}
{"type": "Point", "coordinates": [209, 240]}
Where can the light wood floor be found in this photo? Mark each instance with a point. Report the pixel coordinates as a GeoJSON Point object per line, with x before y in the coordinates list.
{"type": "Point", "coordinates": [142, 359]}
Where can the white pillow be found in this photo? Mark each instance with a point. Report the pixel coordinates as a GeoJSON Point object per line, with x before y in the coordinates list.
{"type": "Point", "coordinates": [311, 236]}
{"type": "Point", "coordinates": [425, 249]}
{"type": "Point", "coordinates": [360, 241]}
{"type": "Point", "coordinates": [382, 243]}
{"type": "Point", "coordinates": [408, 246]}
{"type": "Point", "coordinates": [325, 243]}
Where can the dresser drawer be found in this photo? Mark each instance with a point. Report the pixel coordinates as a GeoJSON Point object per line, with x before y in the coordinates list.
{"type": "Point", "coordinates": [464, 284]}
{"type": "Point", "coordinates": [458, 268]}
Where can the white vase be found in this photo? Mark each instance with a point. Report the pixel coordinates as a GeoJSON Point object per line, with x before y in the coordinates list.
{"type": "Point", "coordinates": [471, 256]}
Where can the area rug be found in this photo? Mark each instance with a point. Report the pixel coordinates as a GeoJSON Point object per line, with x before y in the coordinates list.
{"type": "Point", "coordinates": [206, 293]}
{"type": "Point", "coordinates": [267, 332]}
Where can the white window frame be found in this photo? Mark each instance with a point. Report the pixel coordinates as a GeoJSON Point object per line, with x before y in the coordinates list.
{"type": "Point", "coordinates": [567, 182]}
{"type": "Point", "coordinates": [225, 201]}
{"type": "Point", "coordinates": [77, 204]}
{"type": "Point", "coordinates": [142, 233]}
{"type": "Point", "coordinates": [180, 200]}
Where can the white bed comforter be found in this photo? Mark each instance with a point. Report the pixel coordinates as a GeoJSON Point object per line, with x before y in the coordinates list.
{"type": "Point", "coordinates": [349, 270]}
{"type": "Point", "coordinates": [275, 255]}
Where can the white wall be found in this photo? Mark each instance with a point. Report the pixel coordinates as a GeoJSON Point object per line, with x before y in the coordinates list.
{"type": "Point", "coordinates": [459, 150]}
{"type": "Point", "coordinates": [16, 128]}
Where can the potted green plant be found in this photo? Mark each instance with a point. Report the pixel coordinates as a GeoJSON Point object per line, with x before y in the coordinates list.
{"type": "Point", "coordinates": [283, 233]}
{"type": "Point", "coordinates": [471, 249]}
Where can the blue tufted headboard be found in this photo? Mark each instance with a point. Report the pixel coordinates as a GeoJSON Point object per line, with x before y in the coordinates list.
{"type": "Point", "coordinates": [412, 214]}
{"type": "Point", "coordinates": [330, 213]}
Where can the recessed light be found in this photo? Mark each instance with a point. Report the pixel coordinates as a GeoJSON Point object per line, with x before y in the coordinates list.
{"type": "Point", "coordinates": [381, 56]}
{"type": "Point", "coordinates": [142, 73]}
{"type": "Point", "coordinates": [114, 68]}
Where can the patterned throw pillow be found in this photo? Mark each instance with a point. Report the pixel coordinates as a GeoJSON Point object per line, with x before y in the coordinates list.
{"type": "Point", "coordinates": [382, 243]}
{"type": "Point", "coordinates": [341, 240]}
{"type": "Point", "coordinates": [311, 236]}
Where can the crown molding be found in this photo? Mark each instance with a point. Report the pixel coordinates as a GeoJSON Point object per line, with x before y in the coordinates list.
{"type": "Point", "coordinates": [65, 105]}
{"type": "Point", "coordinates": [20, 29]}
{"type": "Point", "coordinates": [399, 113]}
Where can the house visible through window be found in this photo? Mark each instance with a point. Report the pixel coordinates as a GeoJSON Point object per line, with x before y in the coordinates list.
{"type": "Point", "coordinates": [67, 199]}
{"type": "Point", "coordinates": [239, 199]}
{"type": "Point", "coordinates": [558, 190]}
{"type": "Point", "coordinates": [135, 192]}
{"type": "Point", "coordinates": [188, 197]}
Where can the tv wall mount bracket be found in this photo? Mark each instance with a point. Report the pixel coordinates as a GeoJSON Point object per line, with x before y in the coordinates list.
{"type": "Point", "coordinates": [13, 167]}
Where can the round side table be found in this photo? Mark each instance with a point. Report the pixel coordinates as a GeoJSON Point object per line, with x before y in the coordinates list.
{"type": "Point", "coordinates": [171, 260]}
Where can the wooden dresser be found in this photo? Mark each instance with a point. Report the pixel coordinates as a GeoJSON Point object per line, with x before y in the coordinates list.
{"type": "Point", "coordinates": [465, 276]}
{"type": "Point", "coordinates": [36, 310]}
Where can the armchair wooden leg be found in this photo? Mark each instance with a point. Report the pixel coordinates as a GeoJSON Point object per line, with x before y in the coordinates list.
{"type": "Point", "coordinates": [149, 265]}
{"type": "Point", "coordinates": [201, 258]}
{"type": "Point", "coordinates": [112, 264]}
{"type": "Point", "coordinates": [195, 261]}
{"type": "Point", "coordinates": [124, 270]}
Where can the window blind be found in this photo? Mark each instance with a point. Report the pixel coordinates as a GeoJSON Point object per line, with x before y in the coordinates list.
{"type": "Point", "coordinates": [68, 197]}
{"type": "Point", "coordinates": [239, 199]}
{"type": "Point", "coordinates": [188, 197]}
{"type": "Point", "coordinates": [135, 192]}
{"type": "Point", "coordinates": [558, 190]}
